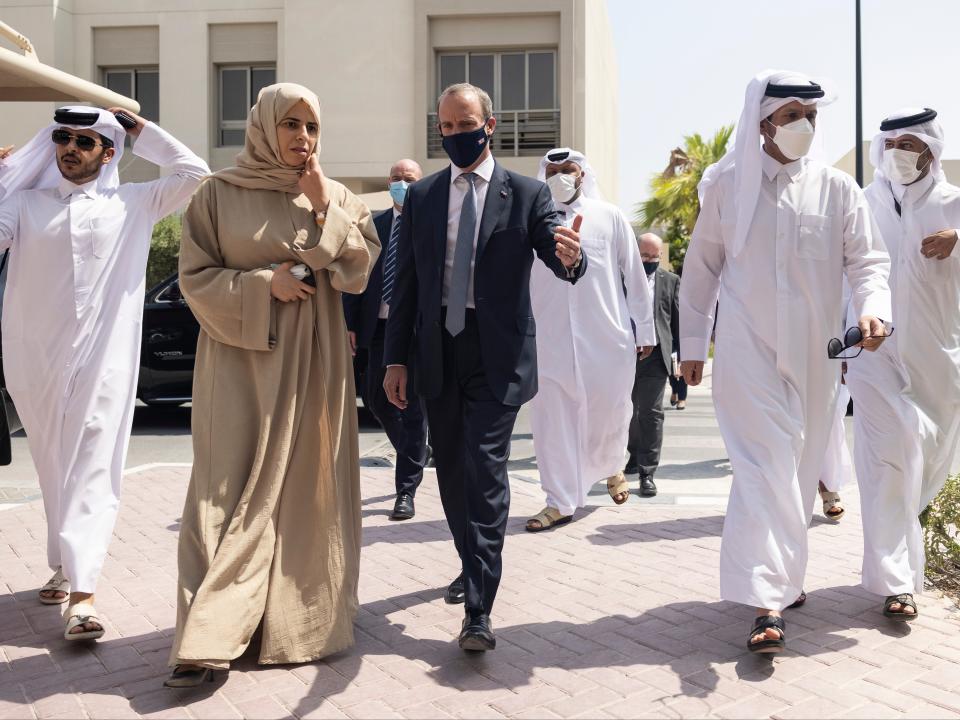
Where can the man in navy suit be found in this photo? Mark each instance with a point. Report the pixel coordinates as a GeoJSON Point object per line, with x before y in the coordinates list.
{"type": "Point", "coordinates": [467, 242]}
{"type": "Point", "coordinates": [366, 315]}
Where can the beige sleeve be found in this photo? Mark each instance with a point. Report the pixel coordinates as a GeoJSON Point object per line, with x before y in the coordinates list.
{"type": "Point", "coordinates": [233, 307]}
{"type": "Point", "coordinates": [348, 245]}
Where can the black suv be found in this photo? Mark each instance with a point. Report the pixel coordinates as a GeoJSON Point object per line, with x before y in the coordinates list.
{"type": "Point", "coordinates": [169, 346]}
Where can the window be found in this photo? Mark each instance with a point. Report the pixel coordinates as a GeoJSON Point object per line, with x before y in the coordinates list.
{"type": "Point", "coordinates": [141, 84]}
{"type": "Point", "coordinates": [239, 87]}
{"type": "Point", "coordinates": [524, 80]}
{"type": "Point", "coordinates": [523, 87]}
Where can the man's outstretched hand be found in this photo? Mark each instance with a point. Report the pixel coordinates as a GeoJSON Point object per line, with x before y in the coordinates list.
{"type": "Point", "coordinates": [568, 242]}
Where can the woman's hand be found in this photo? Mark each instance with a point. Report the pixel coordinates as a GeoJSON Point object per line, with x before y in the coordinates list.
{"type": "Point", "coordinates": [4, 151]}
{"type": "Point", "coordinates": [285, 287]}
{"type": "Point", "coordinates": [314, 184]}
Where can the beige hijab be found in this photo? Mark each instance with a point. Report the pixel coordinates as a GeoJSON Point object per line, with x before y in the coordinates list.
{"type": "Point", "coordinates": [259, 166]}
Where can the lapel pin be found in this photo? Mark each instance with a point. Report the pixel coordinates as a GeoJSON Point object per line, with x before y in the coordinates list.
{"type": "Point", "coordinates": [503, 193]}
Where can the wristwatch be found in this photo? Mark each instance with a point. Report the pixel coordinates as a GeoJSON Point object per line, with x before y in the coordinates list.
{"type": "Point", "coordinates": [320, 216]}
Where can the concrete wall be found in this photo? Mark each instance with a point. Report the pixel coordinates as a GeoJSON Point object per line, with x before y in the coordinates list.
{"type": "Point", "coordinates": [372, 62]}
{"type": "Point", "coordinates": [600, 103]}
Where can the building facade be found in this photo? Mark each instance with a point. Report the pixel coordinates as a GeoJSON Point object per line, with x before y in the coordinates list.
{"type": "Point", "coordinates": [196, 66]}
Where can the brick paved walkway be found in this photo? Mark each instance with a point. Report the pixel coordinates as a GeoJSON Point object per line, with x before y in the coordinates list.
{"type": "Point", "coordinates": [615, 615]}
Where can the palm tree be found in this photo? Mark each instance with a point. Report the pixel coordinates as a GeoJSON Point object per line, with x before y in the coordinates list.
{"type": "Point", "coordinates": [673, 203]}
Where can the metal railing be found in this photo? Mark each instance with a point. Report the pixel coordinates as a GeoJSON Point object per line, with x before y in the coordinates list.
{"type": "Point", "coordinates": [519, 133]}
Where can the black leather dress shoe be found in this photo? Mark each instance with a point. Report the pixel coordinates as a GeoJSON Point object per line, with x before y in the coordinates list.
{"type": "Point", "coordinates": [631, 468]}
{"type": "Point", "coordinates": [477, 633]}
{"type": "Point", "coordinates": [455, 594]}
{"type": "Point", "coordinates": [403, 508]}
{"type": "Point", "coordinates": [648, 488]}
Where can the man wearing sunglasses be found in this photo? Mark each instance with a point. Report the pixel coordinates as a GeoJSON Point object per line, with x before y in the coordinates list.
{"type": "Point", "coordinates": [906, 395]}
{"type": "Point", "coordinates": [73, 305]}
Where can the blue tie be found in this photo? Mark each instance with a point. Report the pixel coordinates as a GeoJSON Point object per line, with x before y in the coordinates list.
{"type": "Point", "coordinates": [390, 263]}
{"type": "Point", "coordinates": [460, 276]}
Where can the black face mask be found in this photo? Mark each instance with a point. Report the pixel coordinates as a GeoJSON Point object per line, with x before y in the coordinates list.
{"type": "Point", "coordinates": [464, 148]}
{"type": "Point", "coordinates": [651, 267]}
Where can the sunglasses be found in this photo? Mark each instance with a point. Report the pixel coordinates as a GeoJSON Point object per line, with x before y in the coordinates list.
{"type": "Point", "coordinates": [83, 142]}
{"type": "Point", "coordinates": [837, 348]}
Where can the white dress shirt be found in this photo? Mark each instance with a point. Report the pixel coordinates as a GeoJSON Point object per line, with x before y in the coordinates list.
{"type": "Point", "coordinates": [458, 191]}
{"type": "Point", "coordinates": [384, 308]}
{"type": "Point", "coordinates": [652, 284]}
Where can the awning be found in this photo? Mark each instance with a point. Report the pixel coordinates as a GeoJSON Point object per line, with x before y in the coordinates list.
{"type": "Point", "coordinates": [25, 78]}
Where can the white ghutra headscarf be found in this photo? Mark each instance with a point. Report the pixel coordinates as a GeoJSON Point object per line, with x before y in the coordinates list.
{"type": "Point", "coordinates": [589, 187]}
{"type": "Point", "coordinates": [34, 166]}
{"type": "Point", "coordinates": [745, 155]}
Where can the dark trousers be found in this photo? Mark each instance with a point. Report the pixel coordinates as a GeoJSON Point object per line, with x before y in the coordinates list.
{"type": "Point", "coordinates": [470, 433]}
{"type": "Point", "coordinates": [678, 386]}
{"type": "Point", "coordinates": [406, 429]}
{"type": "Point", "coordinates": [646, 425]}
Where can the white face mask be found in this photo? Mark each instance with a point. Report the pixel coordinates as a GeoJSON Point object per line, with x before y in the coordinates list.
{"type": "Point", "coordinates": [794, 139]}
{"type": "Point", "coordinates": [563, 187]}
{"type": "Point", "coordinates": [901, 165]}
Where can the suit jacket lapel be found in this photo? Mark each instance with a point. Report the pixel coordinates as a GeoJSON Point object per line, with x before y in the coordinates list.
{"type": "Point", "coordinates": [438, 203]}
{"type": "Point", "coordinates": [660, 287]}
{"type": "Point", "coordinates": [496, 204]}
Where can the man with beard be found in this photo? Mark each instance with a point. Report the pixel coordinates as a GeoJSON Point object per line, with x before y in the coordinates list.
{"type": "Point", "coordinates": [72, 313]}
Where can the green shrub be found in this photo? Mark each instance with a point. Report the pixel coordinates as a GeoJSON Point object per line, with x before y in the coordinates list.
{"type": "Point", "coordinates": [941, 539]}
{"type": "Point", "coordinates": [164, 250]}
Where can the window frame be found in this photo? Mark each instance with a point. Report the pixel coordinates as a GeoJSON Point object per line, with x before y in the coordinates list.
{"type": "Point", "coordinates": [250, 68]}
{"type": "Point", "coordinates": [133, 71]}
{"type": "Point", "coordinates": [496, 95]}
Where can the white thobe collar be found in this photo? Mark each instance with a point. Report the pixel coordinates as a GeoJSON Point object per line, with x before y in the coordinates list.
{"type": "Point", "coordinates": [484, 170]}
{"type": "Point", "coordinates": [66, 188]}
{"type": "Point", "coordinates": [915, 189]}
{"type": "Point", "coordinates": [570, 209]}
{"type": "Point", "coordinates": [773, 167]}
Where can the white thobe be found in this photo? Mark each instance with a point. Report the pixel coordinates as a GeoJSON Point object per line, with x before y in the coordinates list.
{"type": "Point", "coordinates": [906, 424]}
{"type": "Point", "coordinates": [837, 464]}
{"type": "Point", "coordinates": [72, 315]}
{"type": "Point", "coordinates": [586, 356]}
{"type": "Point", "coordinates": [774, 388]}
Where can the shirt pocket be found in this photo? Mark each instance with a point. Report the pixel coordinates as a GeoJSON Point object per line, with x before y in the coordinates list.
{"type": "Point", "coordinates": [103, 235]}
{"type": "Point", "coordinates": [813, 237]}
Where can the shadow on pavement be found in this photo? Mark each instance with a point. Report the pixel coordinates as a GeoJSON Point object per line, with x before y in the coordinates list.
{"type": "Point", "coordinates": [689, 638]}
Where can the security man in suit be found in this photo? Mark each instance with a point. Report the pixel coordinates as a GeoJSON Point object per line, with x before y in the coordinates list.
{"type": "Point", "coordinates": [646, 427]}
{"type": "Point", "coordinates": [366, 316]}
{"type": "Point", "coordinates": [467, 242]}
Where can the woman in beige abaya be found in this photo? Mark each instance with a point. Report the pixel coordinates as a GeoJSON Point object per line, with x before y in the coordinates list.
{"type": "Point", "coordinates": [271, 524]}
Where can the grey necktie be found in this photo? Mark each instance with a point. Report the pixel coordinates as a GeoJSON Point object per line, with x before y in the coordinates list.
{"type": "Point", "coordinates": [460, 276]}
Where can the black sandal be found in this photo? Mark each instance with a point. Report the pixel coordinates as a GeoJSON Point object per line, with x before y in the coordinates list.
{"type": "Point", "coordinates": [194, 677]}
{"type": "Point", "coordinates": [767, 645]}
{"type": "Point", "coordinates": [799, 601]}
{"type": "Point", "coordinates": [906, 601]}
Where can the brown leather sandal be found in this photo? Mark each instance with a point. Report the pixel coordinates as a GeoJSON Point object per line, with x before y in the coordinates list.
{"type": "Point", "coordinates": [617, 487]}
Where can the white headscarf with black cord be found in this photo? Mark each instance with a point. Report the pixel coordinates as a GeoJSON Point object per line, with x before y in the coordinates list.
{"type": "Point", "coordinates": [919, 122]}
{"type": "Point", "coordinates": [745, 155]}
{"type": "Point", "coordinates": [34, 166]}
{"type": "Point", "coordinates": [589, 187]}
